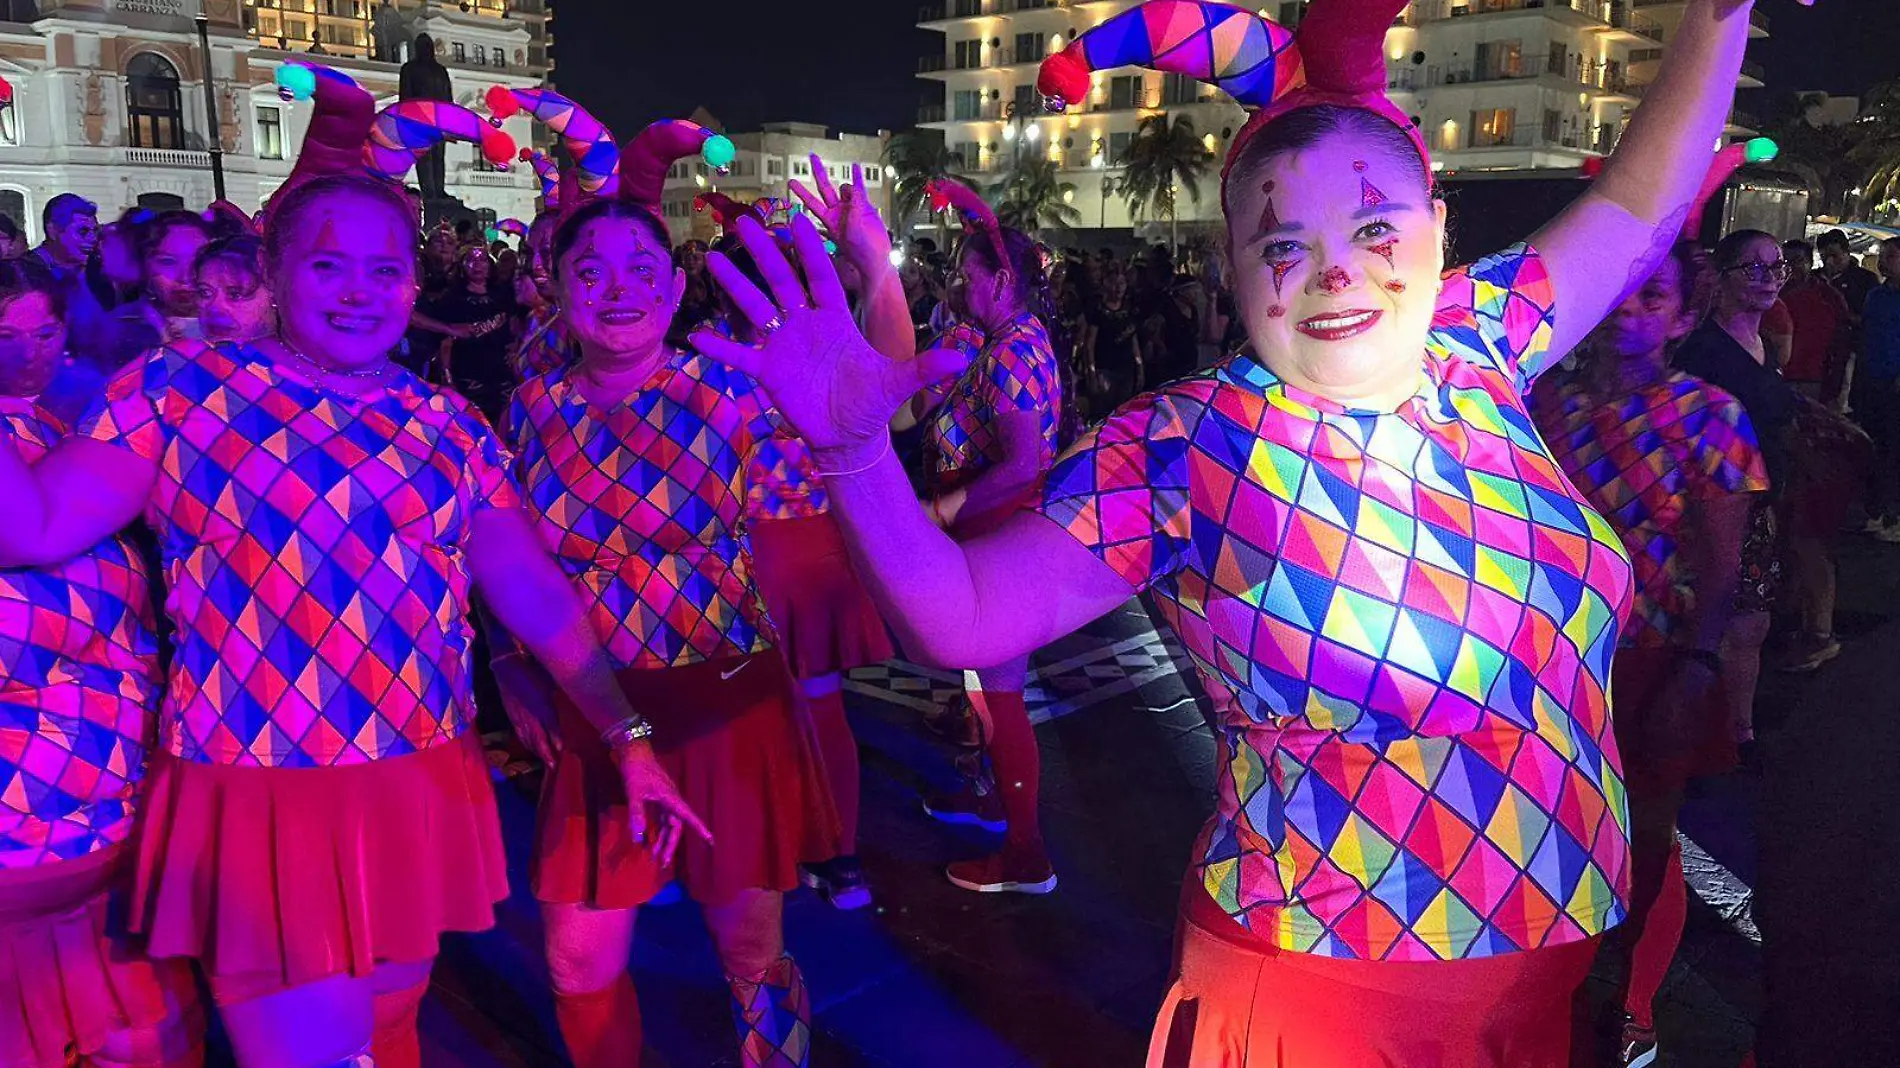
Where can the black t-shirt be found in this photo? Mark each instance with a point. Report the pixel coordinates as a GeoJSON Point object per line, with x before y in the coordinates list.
{"type": "Point", "coordinates": [481, 366]}
{"type": "Point", "coordinates": [1115, 331]}
{"type": "Point", "coordinates": [1175, 351]}
{"type": "Point", "coordinates": [1853, 285]}
{"type": "Point", "coordinates": [1709, 353]}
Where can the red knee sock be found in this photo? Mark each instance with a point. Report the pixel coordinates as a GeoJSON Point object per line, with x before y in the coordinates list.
{"type": "Point", "coordinates": [1018, 764]}
{"type": "Point", "coordinates": [1656, 920]}
{"type": "Point", "coordinates": [602, 1029]}
{"type": "Point", "coordinates": [395, 1042]}
{"type": "Point", "coordinates": [839, 749]}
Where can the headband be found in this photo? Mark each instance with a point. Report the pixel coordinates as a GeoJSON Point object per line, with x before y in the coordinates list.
{"type": "Point", "coordinates": [513, 228]}
{"type": "Point", "coordinates": [407, 129]}
{"type": "Point", "coordinates": [727, 212]}
{"type": "Point", "coordinates": [976, 214]}
{"type": "Point", "coordinates": [1337, 57]}
{"type": "Point", "coordinates": [588, 143]}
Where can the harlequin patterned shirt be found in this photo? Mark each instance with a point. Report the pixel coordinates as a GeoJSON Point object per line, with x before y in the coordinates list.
{"type": "Point", "coordinates": [641, 504]}
{"type": "Point", "coordinates": [313, 550]}
{"type": "Point", "coordinates": [78, 686]}
{"type": "Point", "coordinates": [1641, 460]}
{"type": "Point", "coordinates": [544, 344]}
{"type": "Point", "coordinates": [1405, 620]}
{"type": "Point", "coordinates": [1015, 371]}
{"type": "Point", "coordinates": [783, 482]}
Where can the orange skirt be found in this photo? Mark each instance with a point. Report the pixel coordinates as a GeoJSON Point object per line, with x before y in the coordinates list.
{"type": "Point", "coordinates": [276, 877]}
{"type": "Point", "coordinates": [1237, 1001]}
{"type": "Point", "coordinates": [725, 730]}
{"type": "Point", "coordinates": [825, 620]}
{"type": "Point", "coordinates": [66, 985]}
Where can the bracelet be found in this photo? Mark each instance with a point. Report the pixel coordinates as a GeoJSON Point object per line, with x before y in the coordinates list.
{"type": "Point", "coordinates": [879, 458]}
{"type": "Point", "coordinates": [633, 729]}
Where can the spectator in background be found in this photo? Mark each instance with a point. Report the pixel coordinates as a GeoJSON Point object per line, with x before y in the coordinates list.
{"type": "Point", "coordinates": [1819, 315]}
{"type": "Point", "coordinates": [1852, 281]}
{"type": "Point", "coordinates": [1166, 308]}
{"type": "Point", "coordinates": [165, 303]}
{"type": "Point", "coordinates": [1877, 392]}
{"type": "Point", "coordinates": [476, 316]}
{"type": "Point", "coordinates": [71, 225]}
{"type": "Point", "coordinates": [697, 302]}
{"type": "Point", "coordinates": [119, 274]}
{"type": "Point", "coordinates": [1777, 335]}
{"type": "Point", "coordinates": [234, 299]}
{"type": "Point", "coordinates": [1113, 351]}
{"type": "Point", "coordinates": [12, 239]}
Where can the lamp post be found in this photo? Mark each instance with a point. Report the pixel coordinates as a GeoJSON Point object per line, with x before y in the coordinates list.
{"type": "Point", "coordinates": [1108, 190]}
{"type": "Point", "coordinates": [211, 108]}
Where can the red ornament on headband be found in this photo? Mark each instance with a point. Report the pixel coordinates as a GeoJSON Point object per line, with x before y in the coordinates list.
{"type": "Point", "coordinates": [977, 216]}
{"type": "Point", "coordinates": [1336, 57]}
{"type": "Point", "coordinates": [727, 212]}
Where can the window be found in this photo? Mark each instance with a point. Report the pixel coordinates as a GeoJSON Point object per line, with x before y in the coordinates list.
{"type": "Point", "coordinates": [1179, 89]}
{"type": "Point", "coordinates": [1553, 125]}
{"type": "Point", "coordinates": [1499, 59]}
{"type": "Point", "coordinates": [500, 57]}
{"type": "Point", "coordinates": [270, 132]}
{"type": "Point", "coordinates": [10, 126]}
{"type": "Point", "coordinates": [966, 8]}
{"type": "Point", "coordinates": [969, 54]}
{"type": "Point", "coordinates": [1493, 127]}
{"type": "Point", "coordinates": [873, 175]}
{"type": "Point", "coordinates": [1124, 92]}
{"type": "Point", "coordinates": [801, 168]}
{"type": "Point", "coordinates": [1118, 143]}
{"type": "Point", "coordinates": [1290, 13]}
{"type": "Point", "coordinates": [676, 171]}
{"type": "Point", "coordinates": [966, 104]}
{"type": "Point", "coordinates": [461, 52]}
{"type": "Point", "coordinates": [1031, 46]}
{"type": "Point", "coordinates": [775, 168]}
{"type": "Point", "coordinates": [1559, 61]}
{"type": "Point", "coordinates": [481, 56]}
{"type": "Point", "coordinates": [154, 107]}
{"type": "Point", "coordinates": [967, 153]}
{"type": "Point", "coordinates": [13, 206]}
{"type": "Point", "coordinates": [1026, 100]}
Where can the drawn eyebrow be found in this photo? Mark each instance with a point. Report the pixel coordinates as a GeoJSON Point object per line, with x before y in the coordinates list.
{"type": "Point", "coordinates": [1388, 208]}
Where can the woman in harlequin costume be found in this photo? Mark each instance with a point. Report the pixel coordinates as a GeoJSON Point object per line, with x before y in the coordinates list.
{"type": "Point", "coordinates": [79, 688]}
{"type": "Point", "coordinates": [1403, 612]}
{"type": "Point", "coordinates": [987, 446]}
{"type": "Point", "coordinates": [1672, 463]}
{"type": "Point", "coordinates": [317, 710]}
{"type": "Point", "coordinates": [632, 461]}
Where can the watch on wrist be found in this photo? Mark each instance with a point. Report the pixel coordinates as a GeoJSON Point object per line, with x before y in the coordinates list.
{"type": "Point", "coordinates": [628, 731]}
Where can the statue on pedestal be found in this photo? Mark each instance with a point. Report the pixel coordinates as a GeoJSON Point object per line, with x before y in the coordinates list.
{"type": "Point", "coordinates": [389, 31]}
{"type": "Point", "coordinates": [425, 78]}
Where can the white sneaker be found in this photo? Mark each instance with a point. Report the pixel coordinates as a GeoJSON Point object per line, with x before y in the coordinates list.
{"type": "Point", "coordinates": [1890, 535]}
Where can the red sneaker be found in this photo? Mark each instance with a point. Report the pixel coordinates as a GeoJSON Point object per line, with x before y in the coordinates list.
{"type": "Point", "coordinates": [975, 803]}
{"type": "Point", "coordinates": [1004, 874]}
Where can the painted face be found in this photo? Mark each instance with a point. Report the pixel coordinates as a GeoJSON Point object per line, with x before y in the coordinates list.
{"type": "Point", "coordinates": [1337, 252]}
{"type": "Point", "coordinates": [1754, 282]}
{"type": "Point", "coordinates": [348, 280]}
{"type": "Point", "coordinates": [79, 237]}
{"type": "Point", "coordinates": [1649, 318]}
{"type": "Point", "coordinates": [168, 271]}
{"type": "Point", "coordinates": [988, 296]}
{"type": "Point", "coordinates": [32, 340]}
{"type": "Point", "coordinates": [619, 289]}
{"type": "Point", "coordinates": [540, 250]}
{"type": "Point", "coordinates": [233, 305]}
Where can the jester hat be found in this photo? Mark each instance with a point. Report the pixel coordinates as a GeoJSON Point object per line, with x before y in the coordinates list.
{"type": "Point", "coordinates": [589, 143]}
{"type": "Point", "coordinates": [973, 210]}
{"type": "Point", "coordinates": [1336, 57]}
{"type": "Point", "coordinates": [1728, 160]}
{"type": "Point", "coordinates": [727, 212]}
{"type": "Point", "coordinates": [549, 175]}
{"type": "Point", "coordinates": [340, 121]}
{"type": "Point", "coordinates": [404, 131]}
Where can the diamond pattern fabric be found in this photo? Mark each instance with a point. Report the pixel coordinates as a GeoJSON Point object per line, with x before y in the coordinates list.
{"type": "Point", "coordinates": [1015, 371]}
{"type": "Point", "coordinates": [78, 686]}
{"type": "Point", "coordinates": [312, 546]}
{"type": "Point", "coordinates": [544, 345]}
{"type": "Point", "coordinates": [1406, 622]}
{"type": "Point", "coordinates": [642, 504]}
{"type": "Point", "coordinates": [783, 482]}
{"type": "Point", "coordinates": [1641, 460]}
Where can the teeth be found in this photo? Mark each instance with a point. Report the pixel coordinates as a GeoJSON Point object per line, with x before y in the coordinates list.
{"type": "Point", "coordinates": [1340, 324]}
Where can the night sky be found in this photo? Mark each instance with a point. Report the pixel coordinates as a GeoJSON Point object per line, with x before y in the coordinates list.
{"type": "Point", "coordinates": [851, 64]}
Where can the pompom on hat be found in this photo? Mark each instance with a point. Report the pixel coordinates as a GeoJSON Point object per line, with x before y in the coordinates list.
{"type": "Point", "coordinates": [1336, 57]}
{"type": "Point", "coordinates": [977, 216]}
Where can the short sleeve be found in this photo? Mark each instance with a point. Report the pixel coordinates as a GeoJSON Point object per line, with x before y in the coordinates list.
{"type": "Point", "coordinates": [125, 413]}
{"type": "Point", "coordinates": [1725, 452]}
{"type": "Point", "coordinates": [489, 465]}
{"type": "Point", "coordinates": [1122, 488]}
{"type": "Point", "coordinates": [1501, 310]}
{"type": "Point", "coordinates": [1022, 375]}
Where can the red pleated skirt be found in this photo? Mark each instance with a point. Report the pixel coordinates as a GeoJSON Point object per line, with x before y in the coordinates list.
{"type": "Point", "coordinates": [727, 733]}
{"type": "Point", "coordinates": [276, 877]}
{"type": "Point", "coordinates": [1237, 1001]}
{"type": "Point", "coordinates": [825, 620]}
{"type": "Point", "coordinates": [66, 985]}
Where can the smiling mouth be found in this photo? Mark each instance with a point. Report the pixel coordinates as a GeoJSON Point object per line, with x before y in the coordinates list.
{"type": "Point", "coordinates": [353, 324]}
{"type": "Point", "coordinates": [622, 316]}
{"type": "Point", "coordinates": [1338, 326]}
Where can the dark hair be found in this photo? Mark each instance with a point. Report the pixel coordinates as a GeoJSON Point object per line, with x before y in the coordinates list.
{"type": "Point", "coordinates": [288, 208]}
{"type": "Point", "coordinates": [1834, 239]}
{"type": "Point", "coordinates": [152, 234]}
{"type": "Point", "coordinates": [1728, 251]}
{"type": "Point", "coordinates": [242, 252]}
{"type": "Point", "coordinates": [8, 228]}
{"type": "Point", "coordinates": [60, 210]}
{"type": "Point", "coordinates": [638, 214]}
{"type": "Point", "coordinates": [1305, 127]}
{"type": "Point", "coordinates": [1797, 249]}
{"type": "Point", "coordinates": [29, 275]}
{"type": "Point", "coordinates": [1025, 263]}
{"type": "Point", "coordinates": [1889, 244]}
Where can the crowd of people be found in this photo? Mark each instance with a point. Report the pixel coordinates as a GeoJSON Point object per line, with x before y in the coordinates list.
{"type": "Point", "coordinates": [1455, 553]}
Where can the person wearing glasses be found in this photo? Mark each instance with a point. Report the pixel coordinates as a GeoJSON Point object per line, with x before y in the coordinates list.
{"type": "Point", "coordinates": [1727, 351]}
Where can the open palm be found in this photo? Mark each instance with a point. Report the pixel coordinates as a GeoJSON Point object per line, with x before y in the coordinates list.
{"type": "Point", "coordinates": [837, 391]}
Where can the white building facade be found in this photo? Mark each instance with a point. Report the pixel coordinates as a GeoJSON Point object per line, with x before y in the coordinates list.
{"type": "Point", "coordinates": [1495, 84]}
{"type": "Point", "coordinates": [765, 163]}
{"type": "Point", "coordinates": [109, 98]}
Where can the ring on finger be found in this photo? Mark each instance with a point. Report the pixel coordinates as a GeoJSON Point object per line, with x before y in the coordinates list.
{"type": "Point", "coordinates": [770, 326]}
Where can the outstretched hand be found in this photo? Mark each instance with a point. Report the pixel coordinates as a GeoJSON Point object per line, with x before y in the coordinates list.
{"type": "Point", "coordinates": [848, 216]}
{"type": "Point", "coordinates": [838, 392]}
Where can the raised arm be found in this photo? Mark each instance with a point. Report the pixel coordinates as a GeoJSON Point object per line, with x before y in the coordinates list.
{"type": "Point", "coordinates": [1611, 239]}
{"type": "Point", "coordinates": [75, 497]}
{"type": "Point", "coordinates": [532, 599]}
{"type": "Point", "coordinates": [969, 605]}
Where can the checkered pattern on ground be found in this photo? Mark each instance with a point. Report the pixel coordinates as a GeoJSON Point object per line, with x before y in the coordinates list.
{"type": "Point", "coordinates": [1406, 621]}
{"type": "Point", "coordinates": [1015, 371]}
{"type": "Point", "coordinates": [78, 686]}
{"type": "Point", "coordinates": [1641, 459]}
{"type": "Point", "coordinates": [641, 504]}
{"type": "Point", "coordinates": [312, 546]}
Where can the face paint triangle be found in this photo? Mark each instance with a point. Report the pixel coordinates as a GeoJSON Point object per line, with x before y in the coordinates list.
{"type": "Point", "coordinates": [1269, 219]}
{"type": "Point", "coordinates": [1369, 195]}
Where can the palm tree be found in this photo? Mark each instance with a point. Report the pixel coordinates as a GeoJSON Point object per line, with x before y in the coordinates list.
{"type": "Point", "coordinates": [1164, 158]}
{"type": "Point", "coordinates": [1032, 193]}
{"type": "Point", "coordinates": [920, 157]}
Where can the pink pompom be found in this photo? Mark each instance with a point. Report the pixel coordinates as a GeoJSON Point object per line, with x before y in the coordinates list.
{"type": "Point", "coordinates": [498, 148]}
{"type": "Point", "coordinates": [501, 102]}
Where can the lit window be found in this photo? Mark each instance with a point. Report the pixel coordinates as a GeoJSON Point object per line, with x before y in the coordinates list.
{"type": "Point", "coordinates": [270, 132]}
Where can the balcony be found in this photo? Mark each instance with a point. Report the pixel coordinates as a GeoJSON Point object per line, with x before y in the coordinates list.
{"type": "Point", "coordinates": [1640, 27]}
{"type": "Point", "coordinates": [1436, 10]}
{"type": "Point", "coordinates": [932, 64]}
{"type": "Point", "coordinates": [930, 113]}
{"type": "Point", "coordinates": [167, 157]}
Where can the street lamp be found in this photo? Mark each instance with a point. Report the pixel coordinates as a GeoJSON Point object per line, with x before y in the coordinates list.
{"type": "Point", "coordinates": [211, 108]}
{"type": "Point", "coordinates": [1108, 190]}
